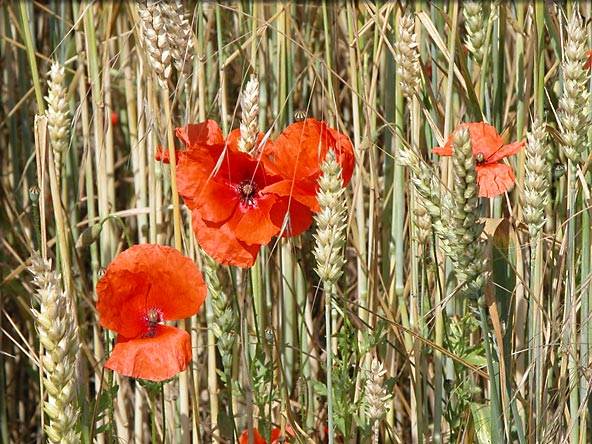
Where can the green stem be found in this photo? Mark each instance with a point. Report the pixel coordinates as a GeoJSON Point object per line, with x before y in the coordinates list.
{"type": "Point", "coordinates": [497, 417]}
{"type": "Point", "coordinates": [570, 307]}
{"type": "Point", "coordinates": [153, 414]}
{"type": "Point", "coordinates": [329, 347]}
{"type": "Point", "coordinates": [122, 225]}
{"type": "Point", "coordinates": [26, 22]}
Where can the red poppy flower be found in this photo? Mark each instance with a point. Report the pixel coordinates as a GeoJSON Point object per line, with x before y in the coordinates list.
{"type": "Point", "coordinates": [297, 156]}
{"type": "Point", "coordinates": [276, 434]}
{"type": "Point", "coordinates": [493, 177]}
{"type": "Point", "coordinates": [234, 212]}
{"type": "Point", "coordinates": [142, 287]}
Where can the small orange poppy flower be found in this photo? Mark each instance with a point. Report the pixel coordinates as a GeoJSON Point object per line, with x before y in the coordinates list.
{"type": "Point", "coordinates": [142, 287]}
{"type": "Point", "coordinates": [276, 434]}
{"type": "Point", "coordinates": [493, 177]}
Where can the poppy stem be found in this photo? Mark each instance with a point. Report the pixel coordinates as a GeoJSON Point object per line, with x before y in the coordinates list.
{"type": "Point", "coordinates": [122, 225]}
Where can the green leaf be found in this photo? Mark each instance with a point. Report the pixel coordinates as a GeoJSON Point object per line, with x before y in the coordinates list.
{"type": "Point", "coordinates": [482, 419]}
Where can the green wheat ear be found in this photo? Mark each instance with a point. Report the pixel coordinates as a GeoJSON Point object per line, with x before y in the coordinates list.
{"type": "Point", "coordinates": [537, 169]}
{"type": "Point", "coordinates": [476, 28]}
{"type": "Point", "coordinates": [462, 219]}
{"type": "Point", "coordinates": [331, 222]}
{"type": "Point", "coordinates": [225, 320]}
{"type": "Point", "coordinates": [57, 327]}
{"type": "Point", "coordinates": [573, 105]}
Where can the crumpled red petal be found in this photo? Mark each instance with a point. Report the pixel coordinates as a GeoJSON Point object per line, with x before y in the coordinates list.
{"type": "Point", "coordinates": [588, 64]}
{"type": "Point", "coordinates": [202, 134]}
{"type": "Point", "coordinates": [253, 224]}
{"type": "Point", "coordinates": [484, 138]}
{"type": "Point", "coordinates": [505, 151]}
{"type": "Point", "coordinates": [148, 276]}
{"type": "Point", "coordinates": [257, 438]}
{"type": "Point", "coordinates": [220, 243]}
{"type": "Point", "coordinates": [163, 155]}
{"type": "Point", "coordinates": [276, 434]}
{"type": "Point", "coordinates": [293, 217]}
{"type": "Point", "coordinates": [494, 179]}
{"type": "Point", "coordinates": [155, 358]}
{"type": "Point", "coordinates": [302, 147]}
{"type": "Point", "coordinates": [304, 191]}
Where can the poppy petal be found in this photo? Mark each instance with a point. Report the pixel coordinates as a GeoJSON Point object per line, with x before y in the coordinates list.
{"type": "Point", "coordinates": [301, 148]}
{"type": "Point", "coordinates": [156, 358]}
{"type": "Point", "coordinates": [257, 438]}
{"type": "Point", "coordinates": [121, 300]}
{"type": "Point", "coordinates": [217, 201]}
{"type": "Point", "coordinates": [494, 179]}
{"type": "Point", "coordinates": [299, 217]}
{"type": "Point", "coordinates": [200, 134]}
{"type": "Point", "coordinates": [162, 155]}
{"type": "Point", "coordinates": [445, 150]}
{"type": "Point", "coordinates": [148, 276]}
{"type": "Point", "coordinates": [251, 223]}
{"type": "Point", "coordinates": [484, 138]}
{"type": "Point", "coordinates": [276, 434]}
{"type": "Point", "coordinates": [220, 243]}
{"type": "Point", "coordinates": [304, 191]}
{"type": "Point", "coordinates": [505, 151]}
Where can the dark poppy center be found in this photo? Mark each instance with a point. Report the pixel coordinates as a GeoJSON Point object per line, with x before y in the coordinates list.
{"type": "Point", "coordinates": [480, 157]}
{"type": "Point", "coordinates": [247, 190]}
{"type": "Point", "coordinates": [153, 318]}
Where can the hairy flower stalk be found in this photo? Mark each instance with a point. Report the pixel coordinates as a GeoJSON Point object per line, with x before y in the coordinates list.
{"type": "Point", "coordinates": [249, 122]}
{"type": "Point", "coordinates": [58, 115]}
{"type": "Point", "coordinates": [536, 183]}
{"type": "Point", "coordinates": [476, 28]}
{"type": "Point", "coordinates": [377, 398]}
{"type": "Point", "coordinates": [407, 56]}
{"type": "Point", "coordinates": [58, 333]}
{"type": "Point", "coordinates": [461, 217]}
{"type": "Point", "coordinates": [574, 102]}
{"type": "Point", "coordinates": [225, 320]}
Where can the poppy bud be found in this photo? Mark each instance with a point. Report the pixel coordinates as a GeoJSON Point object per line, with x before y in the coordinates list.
{"type": "Point", "coordinates": [558, 170]}
{"type": "Point", "coordinates": [299, 115]}
{"type": "Point", "coordinates": [89, 236]}
{"type": "Point", "coordinates": [34, 192]}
